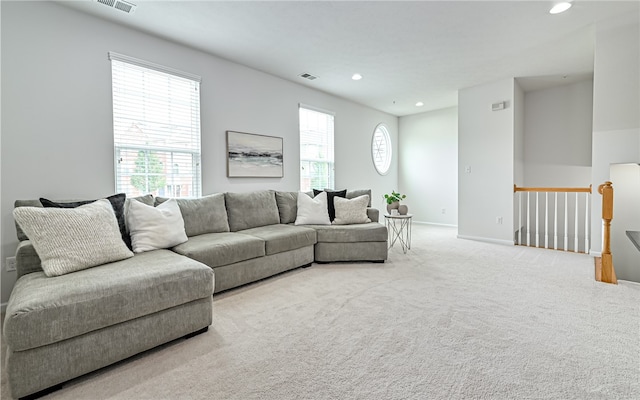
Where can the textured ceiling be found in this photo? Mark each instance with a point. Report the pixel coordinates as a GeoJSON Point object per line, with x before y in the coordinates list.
{"type": "Point", "coordinates": [407, 51]}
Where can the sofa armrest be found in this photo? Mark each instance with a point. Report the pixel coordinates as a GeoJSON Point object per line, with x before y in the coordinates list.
{"type": "Point", "coordinates": [27, 260]}
{"type": "Point", "coordinates": [373, 214]}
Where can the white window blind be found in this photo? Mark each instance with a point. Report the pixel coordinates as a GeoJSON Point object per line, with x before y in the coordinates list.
{"type": "Point", "coordinates": [156, 129]}
{"type": "Point", "coordinates": [316, 149]}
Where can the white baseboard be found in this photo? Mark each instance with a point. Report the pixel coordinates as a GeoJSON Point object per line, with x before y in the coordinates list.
{"type": "Point", "coordinates": [595, 253]}
{"type": "Point", "coordinates": [434, 224]}
{"type": "Point", "coordinates": [488, 240]}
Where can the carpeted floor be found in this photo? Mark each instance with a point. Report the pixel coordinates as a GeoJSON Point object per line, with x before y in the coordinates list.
{"type": "Point", "coordinates": [452, 319]}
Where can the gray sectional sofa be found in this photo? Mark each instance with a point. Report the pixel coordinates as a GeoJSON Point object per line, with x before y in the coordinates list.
{"type": "Point", "coordinates": [58, 328]}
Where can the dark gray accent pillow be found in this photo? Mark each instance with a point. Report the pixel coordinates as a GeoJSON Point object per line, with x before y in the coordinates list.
{"type": "Point", "coordinates": [117, 203]}
{"type": "Point", "coordinates": [202, 215]}
{"type": "Point", "coordinates": [330, 195]}
{"type": "Point", "coordinates": [251, 209]}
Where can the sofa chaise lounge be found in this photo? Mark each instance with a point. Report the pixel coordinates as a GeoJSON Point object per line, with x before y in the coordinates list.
{"type": "Point", "coordinates": [59, 328]}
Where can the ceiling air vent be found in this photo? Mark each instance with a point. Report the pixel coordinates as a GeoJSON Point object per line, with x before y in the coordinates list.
{"type": "Point", "coordinates": [308, 76]}
{"type": "Point", "coordinates": [121, 5]}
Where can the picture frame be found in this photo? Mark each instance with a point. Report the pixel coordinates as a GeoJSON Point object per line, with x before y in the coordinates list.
{"type": "Point", "coordinates": [250, 155]}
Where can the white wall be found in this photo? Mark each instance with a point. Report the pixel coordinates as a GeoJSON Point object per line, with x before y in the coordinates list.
{"type": "Point", "coordinates": [626, 214]}
{"type": "Point", "coordinates": [428, 170]}
{"type": "Point", "coordinates": [558, 135]}
{"type": "Point", "coordinates": [486, 146]}
{"type": "Point", "coordinates": [518, 148]}
{"type": "Point", "coordinates": [57, 137]}
{"type": "Point", "coordinates": [557, 153]}
{"type": "Point", "coordinates": [616, 111]}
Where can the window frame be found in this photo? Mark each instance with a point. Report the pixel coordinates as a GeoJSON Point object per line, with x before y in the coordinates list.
{"type": "Point", "coordinates": [330, 144]}
{"type": "Point", "coordinates": [386, 166]}
{"type": "Point", "coordinates": [173, 156]}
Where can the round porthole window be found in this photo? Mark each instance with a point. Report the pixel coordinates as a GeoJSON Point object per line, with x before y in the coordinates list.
{"type": "Point", "coordinates": [381, 149]}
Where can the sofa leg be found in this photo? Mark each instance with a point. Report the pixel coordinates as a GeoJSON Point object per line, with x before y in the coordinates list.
{"type": "Point", "coordinates": [196, 333]}
{"type": "Point", "coordinates": [41, 393]}
{"type": "Point", "coordinates": [307, 265]}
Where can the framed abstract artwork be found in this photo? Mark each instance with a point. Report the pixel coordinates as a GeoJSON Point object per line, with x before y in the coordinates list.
{"type": "Point", "coordinates": [254, 156]}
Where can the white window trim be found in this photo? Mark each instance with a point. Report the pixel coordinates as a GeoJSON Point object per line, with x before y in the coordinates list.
{"type": "Point", "coordinates": [387, 136]}
{"type": "Point", "coordinates": [196, 155]}
{"type": "Point", "coordinates": [331, 164]}
{"type": "Point", "coordinates": [154, 66]}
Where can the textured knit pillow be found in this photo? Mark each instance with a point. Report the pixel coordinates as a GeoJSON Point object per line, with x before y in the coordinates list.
{"type": "Point", "coordinates": [351, 211]}
{"type": "Point", "coordinates": [154, 228]}
{"type": "Point", "coordinates": [312, 211]}
{"type": "Point", "coordinates": [116, 200]}
{"type": "Point", "coordinates": [331, 194]}
{"type": "Point", "coordinates": [72, 239]}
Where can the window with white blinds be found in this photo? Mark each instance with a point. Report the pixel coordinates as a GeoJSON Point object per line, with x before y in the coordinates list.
{"type": "Point", "coordinates": [156, 129]}
{"type": "Point", "coordinates": [316, 149]}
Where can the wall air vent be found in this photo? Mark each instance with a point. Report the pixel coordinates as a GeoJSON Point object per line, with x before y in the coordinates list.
{"type": "Point", "coordinates": [121, 5]}
{"type": "Point", "coordinates": [308, 76]}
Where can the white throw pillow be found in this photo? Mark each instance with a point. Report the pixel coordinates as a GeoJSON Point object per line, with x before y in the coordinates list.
{"type": "Point", "coordinates": [72, 239]}
{"type": "Point", "coordinates": [351, 211]}
{"type": "Point", "coordinates": [154, 228]}
{"type": "Point", "coordinates": [312, 211]}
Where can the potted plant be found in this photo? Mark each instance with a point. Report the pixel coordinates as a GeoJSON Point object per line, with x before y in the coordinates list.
{"type": "Point", "coordinates": [393, 202]}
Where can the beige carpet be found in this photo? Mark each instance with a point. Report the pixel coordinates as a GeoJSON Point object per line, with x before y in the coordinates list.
{"type": "Point", "coordinates": [452, 319]}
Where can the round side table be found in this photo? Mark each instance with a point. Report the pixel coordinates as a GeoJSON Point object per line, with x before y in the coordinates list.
{"type": "Point", "coordinates": [399, 229]}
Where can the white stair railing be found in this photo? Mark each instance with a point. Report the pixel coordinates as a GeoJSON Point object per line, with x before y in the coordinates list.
{"type": "Point", "coordinates": [571, 210]}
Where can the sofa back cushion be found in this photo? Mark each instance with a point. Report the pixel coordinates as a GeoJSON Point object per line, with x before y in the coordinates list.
{"type": "Point", "coordinates": [287, 206]}
{"type": "Point", "coordinates": [203, 215]}
{"type": "Point", "coordinates": [251, 209]}
{"type": "Point", "coordinates": [24, 203]}
{"type": "Point", "coordinates": [352, 194]}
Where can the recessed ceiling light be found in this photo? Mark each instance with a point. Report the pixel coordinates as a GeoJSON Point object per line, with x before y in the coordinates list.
{"type": "Point", "coordinates": [560, 7]}
{"type": "Point", "coordinates": [356, 77]}
{"type": "Point", "coordinates": [419, 104]}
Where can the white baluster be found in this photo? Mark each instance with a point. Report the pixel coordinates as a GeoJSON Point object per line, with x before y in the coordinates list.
{"type": "Point", "coordinates": [586, 223]}
{"type": "Point", "coordinates": [537, 217]}
{"type": "Point", "coordinates": [546, 220]}
{"type": "Point", "coordinates": [519, 217]}
{"type": "Point", "coordinates": [555, 222]}
{"type": "Point", "coordinates": [528, 220]}
{"type": "Point", "coordinates": [566, 222]}
{"type": "Point", "coordinates": [576, 226]}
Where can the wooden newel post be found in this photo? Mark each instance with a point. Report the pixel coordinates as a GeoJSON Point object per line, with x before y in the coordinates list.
{"type": "Point", "coordinates": [608, 272]}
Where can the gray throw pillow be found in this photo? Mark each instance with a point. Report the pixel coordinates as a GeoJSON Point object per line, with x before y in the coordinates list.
{"type": "Point", "coordinates": [72, 239]}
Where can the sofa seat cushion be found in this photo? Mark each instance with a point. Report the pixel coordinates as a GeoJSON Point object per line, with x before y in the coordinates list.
{"type": "Point", "coordinates": [223, 248]}
{"type": "Point", "coordinates": [279, 238]}
{"type": "Point", "coordinates": [370, 232]}
{"type": "Point", "coordinates": [44, 310]}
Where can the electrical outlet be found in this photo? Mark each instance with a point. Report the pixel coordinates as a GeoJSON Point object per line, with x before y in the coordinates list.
{"type": "Point", "coordinates": [444, 210]}
{"type": "Point", "coordinates": [11, 264]}
{"type": "Point", "coordinates": [499, 220]}
{"type": "Point", "coordinates": [467, 169]}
